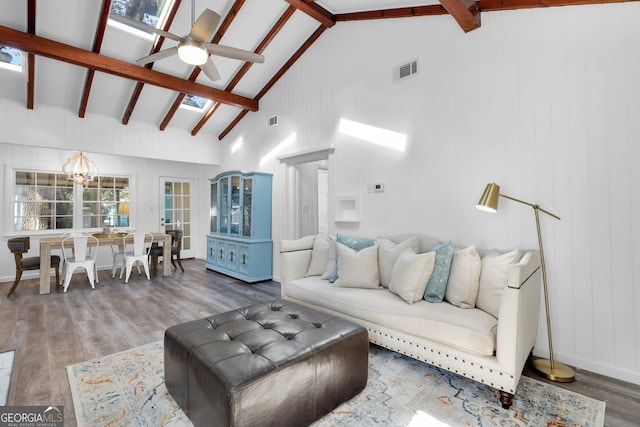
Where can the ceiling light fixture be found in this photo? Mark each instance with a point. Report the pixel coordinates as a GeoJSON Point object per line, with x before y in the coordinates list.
{"type": "Point", "coordinates": [80, 169]}
{"type": "Point", "coordinates": [192, 52]}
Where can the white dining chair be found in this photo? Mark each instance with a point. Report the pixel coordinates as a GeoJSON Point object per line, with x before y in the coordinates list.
{"type": "Point", "coordinates": [80, 252]}
{"type": "Point", "coordinates": [117, 253]}
{"type": "Point", "coordinates": [77, 234]}
{"type": "Point", "coordinates": [136, 252]}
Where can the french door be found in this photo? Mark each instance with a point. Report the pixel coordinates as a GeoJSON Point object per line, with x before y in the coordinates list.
{"type": "Point", "coordinates": [175, 202]}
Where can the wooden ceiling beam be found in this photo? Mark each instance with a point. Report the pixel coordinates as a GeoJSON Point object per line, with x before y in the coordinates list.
{"type": "Point", "coordinates": [318, 13]}
{"type": "Point", "coordinates": [302, 49]}
{"type": "Point", "coordinates": [157, 45]}
{"type": "Point", "coordinates": [247, 65]}
{"type": "Point", "coordinates": [492, 5]}
{"type": "Point", "coordinates": [465, 12]}
{"type": "Point", "coordinates": [401, 12]}
{"type": "Point", "coordinates": [222, 29]}
{"type": "Point", "coordinates": [97, 45]}
{"type": "Point", "coordinates": [31, 58]}
{"type": "Point", "coordinates": [83, 58]}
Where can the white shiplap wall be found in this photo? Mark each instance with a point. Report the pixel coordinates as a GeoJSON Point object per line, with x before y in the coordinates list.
{"type": "Point", "coordinates": [541, 101]}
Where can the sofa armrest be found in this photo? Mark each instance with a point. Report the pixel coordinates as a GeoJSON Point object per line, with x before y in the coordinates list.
{"type": "Point", "coordinates": [295, 256]}
{"type": "Point", "coordinates": [518, 315]}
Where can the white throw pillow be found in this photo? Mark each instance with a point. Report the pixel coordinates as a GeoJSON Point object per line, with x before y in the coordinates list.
{"type": "Point", "coordinates": [357, 269]}
{"type": "Point", "coordinates": [388, 253]}
{"type": "Point", "coordinates": [494, 278]}
{"type": "Point", "coordinates": [464, 278]}
{"type": "Point", "coordinates": [411, 274]}
{"type": "Point", "coordinates": [319, 256]}
{"type": "Point", "coordinates": [331, 260]}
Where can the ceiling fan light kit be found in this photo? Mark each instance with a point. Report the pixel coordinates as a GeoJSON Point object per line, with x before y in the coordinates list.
{"type": "Point", "coordinates": [192, 52]}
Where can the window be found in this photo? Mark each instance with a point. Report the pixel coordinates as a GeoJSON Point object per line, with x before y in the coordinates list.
{"type": "Point", "coordinates": [50, 201]}
{"type": "Point", "coordinates": [10, 58]}
{"type": "Point", "coordinates": [105, 202]}
{"type": "Point", "coordinates": [150, 12]}
{"type": "Point", "coordinates": [195, 103]}
{"type": "Point", "coordinates": [43, 201]}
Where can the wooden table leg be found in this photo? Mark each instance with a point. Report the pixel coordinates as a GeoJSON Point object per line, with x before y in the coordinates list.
{"type": "Point", "coordinates": [45, 268]}
{"type": "Point", "coordinates": [166, 256]}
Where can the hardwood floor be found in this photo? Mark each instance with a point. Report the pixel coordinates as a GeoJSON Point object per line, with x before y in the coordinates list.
{"type": "Point", "coordinates": [52, 331]}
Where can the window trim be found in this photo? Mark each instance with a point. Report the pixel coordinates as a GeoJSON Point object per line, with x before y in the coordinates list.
{"type": "Point", "coordinates": [10, 188]}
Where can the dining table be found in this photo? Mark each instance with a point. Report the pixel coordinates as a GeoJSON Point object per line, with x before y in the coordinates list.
{"type": "Point", "coordinates": [104, 239]}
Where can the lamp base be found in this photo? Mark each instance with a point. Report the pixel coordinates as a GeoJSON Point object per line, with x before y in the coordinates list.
{"type": "Point", "coordinates": [560, 373]}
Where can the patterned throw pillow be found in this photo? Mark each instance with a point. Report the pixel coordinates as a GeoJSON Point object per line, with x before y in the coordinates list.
{"type": "Point", "coordinates": [437, 285]}
{"type": "Point", "coordinates": [355, 243]}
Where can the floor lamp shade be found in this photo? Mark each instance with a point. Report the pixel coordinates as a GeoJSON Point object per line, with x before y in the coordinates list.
{"type": "Point", "coordinates": [488, 202]}
{"type": "Point", "coordinates": [550, 369]}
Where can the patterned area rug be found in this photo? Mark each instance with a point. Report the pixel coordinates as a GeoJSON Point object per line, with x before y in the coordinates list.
{"type": "Point", "coordinates": [6, 368]}
{"type": "Point", "coordinates": [127, 389]}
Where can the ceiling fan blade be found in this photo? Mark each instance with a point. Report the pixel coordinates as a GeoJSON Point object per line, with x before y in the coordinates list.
{"type": "Point", "coordinates": [234, 53]}
{"type": "Point", "coordinates": [144, 27]}
{"type": "Point", "coordinates": [205, 25]}
{"type": "Point", "coordinates": [158, 55]}
{"type": "Point", "coordinates": [210, 70]}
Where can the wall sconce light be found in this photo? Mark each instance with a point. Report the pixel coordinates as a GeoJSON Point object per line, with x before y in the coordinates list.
{"type": "Point", "coordinates": [80, 169]}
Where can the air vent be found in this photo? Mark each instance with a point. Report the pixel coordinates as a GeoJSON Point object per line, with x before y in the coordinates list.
{"type": "Point", "coordinates": [273, 121]}
{"type": "Point", "coordinates": [406, 70]}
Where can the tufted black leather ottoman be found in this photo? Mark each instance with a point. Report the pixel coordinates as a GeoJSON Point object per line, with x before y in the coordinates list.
{"type": "Point", "coordinates": [271, 364]}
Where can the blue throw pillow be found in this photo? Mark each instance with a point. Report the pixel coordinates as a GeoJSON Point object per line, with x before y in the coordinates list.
{"type": "Point", "coordinates": [355, 243]}
{"type": "Point", "coordinates": [437, 285]}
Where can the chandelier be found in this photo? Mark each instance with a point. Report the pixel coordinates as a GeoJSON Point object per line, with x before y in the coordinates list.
{"type": "Point", "coordinates": [80, 169]}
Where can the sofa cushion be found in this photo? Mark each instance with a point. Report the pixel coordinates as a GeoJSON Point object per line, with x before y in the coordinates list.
{"type": "Point", "coordinates": [471, 330]}
{"type": "Point", "coordinates": [319, 256]}
{"type": "Point", "coordinates": [330, 268]}
{"type": "Point", "coordinates": [357, 269]}
{"type": "Point", "coordinates": [464, 278]}
{"type": "Point", "coordinates": [411, 274]}
{"type": "Point", "coordinates": [494, 278]}
{"type": "Point", "coordinates": [437, 285]}
{"type": "Point", "coordinates": [388, 253]}
{"type": "Point", "coordinates": [356, 243]}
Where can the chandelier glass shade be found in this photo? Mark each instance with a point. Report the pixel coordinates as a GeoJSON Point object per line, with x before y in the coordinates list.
{"type": "Point", "coordinates": [80, 169]}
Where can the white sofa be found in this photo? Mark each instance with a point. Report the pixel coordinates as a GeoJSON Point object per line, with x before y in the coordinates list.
{"type": "Point", "coordinates": [467, 341]}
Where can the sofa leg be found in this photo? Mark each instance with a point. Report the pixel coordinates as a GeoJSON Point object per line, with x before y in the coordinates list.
{"type": "Point", "coordinates": [506, 399]}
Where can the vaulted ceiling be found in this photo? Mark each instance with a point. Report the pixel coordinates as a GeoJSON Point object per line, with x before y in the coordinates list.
{"type": "Point", "coordinates": [77, 61]}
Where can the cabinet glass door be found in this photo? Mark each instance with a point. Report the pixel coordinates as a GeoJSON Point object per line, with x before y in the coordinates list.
{"type": "Point", "coordinates": [214, 207]}
{"type": "Point", "coordinates": [235, 205]}
{"type": "Point", "coordinates": [224, 205]}
{"type": "Point", "coordinates": [247, 204]}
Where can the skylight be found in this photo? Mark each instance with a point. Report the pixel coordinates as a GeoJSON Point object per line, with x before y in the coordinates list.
{"type": "Point", "coordinates": [150, 12]}
{"type": "Point", "coordinates": [10, 58]}
{"type": "Point", "coordinates": [195, 103]}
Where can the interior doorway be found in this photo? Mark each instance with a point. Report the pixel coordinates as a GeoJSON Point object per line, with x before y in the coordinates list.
{"type": "Point", "coordinates": [307, 192]}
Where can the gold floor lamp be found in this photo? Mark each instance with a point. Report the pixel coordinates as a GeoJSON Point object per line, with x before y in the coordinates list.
{"type": "Point", "coordinates": [550, 369]}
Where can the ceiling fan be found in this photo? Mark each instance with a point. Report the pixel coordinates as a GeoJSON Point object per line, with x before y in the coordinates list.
{"type": "Point", "coordinates": [194, 48]}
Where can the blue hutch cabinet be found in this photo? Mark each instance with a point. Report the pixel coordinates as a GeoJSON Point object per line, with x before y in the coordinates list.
{"type": "Point", "coordinates": [239, 243]}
